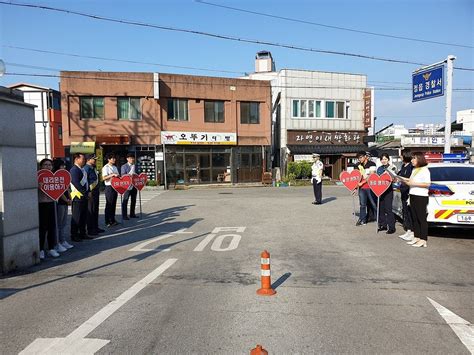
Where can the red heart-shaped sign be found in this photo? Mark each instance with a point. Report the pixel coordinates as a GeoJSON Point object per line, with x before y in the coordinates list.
{"type": "Point", "coordinates": [121, 184]}
{"type": "Point", "coordinates": [139, 181]}
{"type": "Point", "coordinates": [54, 184]}
{"type": "Point", "coordinates": [350, 180]}
{"type": "Point", "coordinates": [379, 184]}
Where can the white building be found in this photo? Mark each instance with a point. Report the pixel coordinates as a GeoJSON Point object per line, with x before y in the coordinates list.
{"type": "Point", "coordinates": [48, 126]}
{"type": "Point", "coordinates": [316, 112]}
{"type": "Point", "coordinates": [466, 117]}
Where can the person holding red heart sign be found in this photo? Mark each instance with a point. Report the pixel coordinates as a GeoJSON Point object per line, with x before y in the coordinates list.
{"type": "Point", "coordinates": [366, 197]}
{"type": "Point", "coordinates": [110, 171]}
{"type": "Point", "coordinates": [47, 220]}
{"type": "Point", "coordinates": [129, 169]}
{"type": "Point", "coordinates": [386, 216]}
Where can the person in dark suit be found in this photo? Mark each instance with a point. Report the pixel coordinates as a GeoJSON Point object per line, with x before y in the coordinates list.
{"type": "Point", "coordinates": [129, 169]}
{"type": "Point", "coordinates": [79, 196]}
{"type": "Point", "coordinates": [93, 202]}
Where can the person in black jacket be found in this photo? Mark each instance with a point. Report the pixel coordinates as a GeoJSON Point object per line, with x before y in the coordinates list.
{"type": "Point", "coordinates": [79, 192]}
{"type": "Point", "coordinates": [93, 198]}
{"type": "Point", "coordinates": [129, 169]}
{"type": "Point", "coordinates": [366, 197]}
{"type": "Point", "coordinates": [406, 171]}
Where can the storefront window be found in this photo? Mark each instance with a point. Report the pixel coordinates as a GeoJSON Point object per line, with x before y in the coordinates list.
{"type": "Point", "coordinates": [196, 165]}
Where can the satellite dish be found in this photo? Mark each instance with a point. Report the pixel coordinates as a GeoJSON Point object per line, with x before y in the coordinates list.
{"type": "Point", "coordinates": [2, 68]}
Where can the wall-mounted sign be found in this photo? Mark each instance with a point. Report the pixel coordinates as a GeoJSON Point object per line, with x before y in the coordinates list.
{"type": "Point", "coordinates": [435, 141]}
{"type": "Point", "coordinates": [210, 138]}
{"type": "Point", "coordinates": [82, 147]}
{"type": "Point", "coordinates": [427, 84]}
{"type": "Point", "coordinates": [367, 108]}
{"type": "Point", "coordinates": [325, 137]}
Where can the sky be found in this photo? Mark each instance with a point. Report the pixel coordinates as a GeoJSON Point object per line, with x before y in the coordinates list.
{"type": "Point", "coordinates": [447, 21]}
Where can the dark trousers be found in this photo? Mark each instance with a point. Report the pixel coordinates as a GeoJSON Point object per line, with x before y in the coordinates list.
{"type": "Point", "coordinates": [418, 206]}
{"type": "Point", "coordinates": [318, 191]}
{"type": "Point", "coordinates": [79, 217]}
{"type": "Point", "coordinates": [129, 194]}
{"type": "Point", "coordinates": [47, 225]}
{"type": "Point", "coordinates": [365, 198]}
{"type": "Point", "coordinates": [93, 211]}
{"type": "Point", "coordinates": [110, 204]}
{"type": "Point", "coordinates": [386, 216]}
{"type": "Point", "coordinates": [407, 223]}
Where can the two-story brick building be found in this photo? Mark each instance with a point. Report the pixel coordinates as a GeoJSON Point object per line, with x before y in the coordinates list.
{"type": "Point", "coordinates": [199, 129]}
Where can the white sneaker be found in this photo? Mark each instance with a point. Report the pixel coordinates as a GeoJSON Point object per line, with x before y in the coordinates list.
{"type": "Point", "coordinates": [59, 248]}
{"type": "Point", "coordinates": [408, 236]}
{"type": "Point", "coordinates": [53, 253]}
{"type": "Point", "coordinates": [67, 245]}
{"type": "Point", "coordinates": [404, 234]}
{"type": "Point", "coordinates": [41, 254]}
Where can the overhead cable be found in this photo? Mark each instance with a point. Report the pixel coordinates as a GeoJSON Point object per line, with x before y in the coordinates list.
{"type": "Point", "coordinates": [216, 35]}
{"type": "Point", "coordinates": [330, 26]}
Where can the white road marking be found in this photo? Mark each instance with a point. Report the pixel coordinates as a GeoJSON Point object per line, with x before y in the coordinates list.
{"type": "Point", "coordinates": [141, 246]}
{"type": "Point", "coordinates": [204, 242]}
{"type": "Point", "coordinates": [217, 245]}
{"type": "Point", "coordinates": [234, 243]}
{"type": "Point", "coordinates": [182, 231]}
{"type": "Point", "coordinates": [228, 229]}
{"type": "Point", "coordinates": [75, 343]}
{"type": "Point", "coordinates": [461, 327]}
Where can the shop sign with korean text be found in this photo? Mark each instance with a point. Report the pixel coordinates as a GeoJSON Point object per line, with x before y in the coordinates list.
{"type": "Point", "coordinates": [437, 141]}
{"type": "Point", "coordinates": [427, 84]}
{"type": "Point", "coordinates": [325, 137]}
{"type": "Point", "coordinates": [206, 138]}
{"type": "Point", "coordinates": [367, 108]}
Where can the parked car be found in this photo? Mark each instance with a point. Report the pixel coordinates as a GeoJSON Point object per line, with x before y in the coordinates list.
{"type": "Point", "coordinates": [451, 195]}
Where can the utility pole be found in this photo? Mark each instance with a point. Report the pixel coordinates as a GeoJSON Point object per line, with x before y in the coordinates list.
{"type": "Point", "coordinates": [449, 94]}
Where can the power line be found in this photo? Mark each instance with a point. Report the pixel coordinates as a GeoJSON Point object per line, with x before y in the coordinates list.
{"type": "Point", "coordinates": [330, 26]}
{"type": "Point", "coordinates": [32, 67]}
{"type": "Point", "coordinates": [215, 35]}
{"type": "Point", "coordinates": [122, 60]}
{"type": "Point", "coordinates": [214, 83]}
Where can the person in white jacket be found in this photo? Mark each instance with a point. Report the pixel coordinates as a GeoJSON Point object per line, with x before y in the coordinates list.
{"type": "Point", "coordinates": [317, 179]}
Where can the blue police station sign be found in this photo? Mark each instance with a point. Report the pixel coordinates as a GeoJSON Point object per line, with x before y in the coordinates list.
{"type": "Point", "coordinates": [427, 84]}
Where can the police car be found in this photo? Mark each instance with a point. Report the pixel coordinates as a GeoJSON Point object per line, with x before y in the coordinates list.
{"type": "Point", "coordinates": [451, 195]}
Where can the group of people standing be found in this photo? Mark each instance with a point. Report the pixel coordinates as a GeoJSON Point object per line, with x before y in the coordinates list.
{"type": "Point", "coordinates": [414, 178]}
{"type": "Point", "coordinates": [83, 197]}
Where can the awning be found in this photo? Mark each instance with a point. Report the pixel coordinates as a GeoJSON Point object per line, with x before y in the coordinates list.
{"type": "Point", "coordinates": [327, 149]}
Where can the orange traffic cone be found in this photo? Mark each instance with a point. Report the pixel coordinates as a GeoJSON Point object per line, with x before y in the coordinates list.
{"type": "Point", "coordinates": [258, 351]}
{"type": "Point", "coordinates": [266, 289]}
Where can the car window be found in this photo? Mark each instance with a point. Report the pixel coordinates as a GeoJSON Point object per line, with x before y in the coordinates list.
{"type": "Point", "coordinates": [459, 173]}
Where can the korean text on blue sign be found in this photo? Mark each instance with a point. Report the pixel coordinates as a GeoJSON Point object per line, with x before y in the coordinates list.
{"type": "Point", "coordinates": [427, 84]}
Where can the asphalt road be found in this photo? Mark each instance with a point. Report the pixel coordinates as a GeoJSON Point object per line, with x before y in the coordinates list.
{"type": "Point", "coordinates": [181, 281]}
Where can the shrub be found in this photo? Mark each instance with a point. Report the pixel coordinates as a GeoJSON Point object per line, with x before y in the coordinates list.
{"type": "Point", "coordinates": [300, 169]}
{"type": "Point", "coordinates": [151, 183]}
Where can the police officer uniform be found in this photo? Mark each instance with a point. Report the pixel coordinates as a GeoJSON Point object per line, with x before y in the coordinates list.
{"type": "Point", "coordinates": [317, 179]}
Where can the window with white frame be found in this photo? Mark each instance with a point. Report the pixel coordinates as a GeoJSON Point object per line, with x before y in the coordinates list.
{"type": "Point", "coordinates": [306, 109]}
{"type": "Point", "coordinates": [330, 109]}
